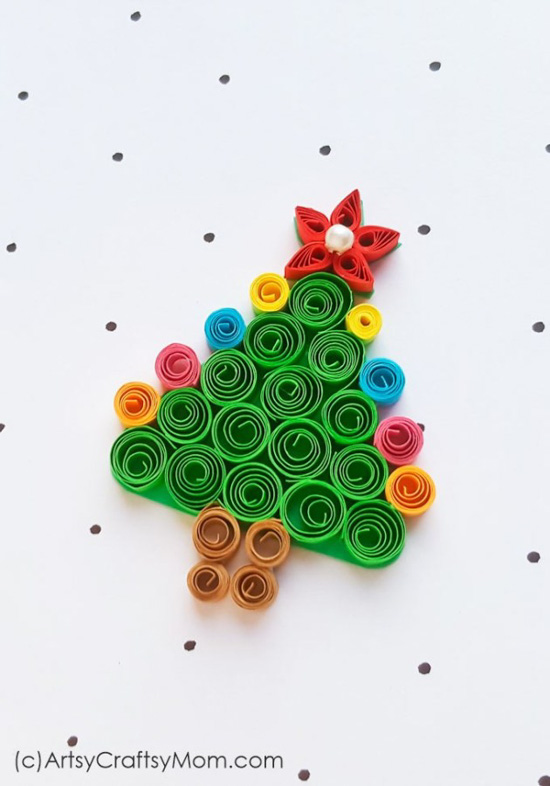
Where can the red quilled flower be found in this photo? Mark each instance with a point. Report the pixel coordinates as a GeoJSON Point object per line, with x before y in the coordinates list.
{"type": "Point", "coordinates": [340, 244]}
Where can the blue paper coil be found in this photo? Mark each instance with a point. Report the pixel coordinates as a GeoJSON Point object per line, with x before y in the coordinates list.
{"type": "Point", "coordinates": [383, 380]}
{"type": "Point", "coordinates": [224, 328]}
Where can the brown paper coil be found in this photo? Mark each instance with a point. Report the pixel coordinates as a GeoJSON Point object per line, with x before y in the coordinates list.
{"type": "Point", "coordinates": [216, 533]}
{"type": "Point", "coordinates": [208, 581]}
{"type": "Point", "coordinates": [253, 587]}
{"type": "Point", "coordinates": [267, 543]}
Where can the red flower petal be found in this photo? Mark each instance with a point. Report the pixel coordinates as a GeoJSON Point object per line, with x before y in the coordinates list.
{"type": "Point", "coordinates": [374, 242]}
{"type": "Point", "coordinates": [348, 212]}
{"type": "Point", "coordinates": [352, 267]}
{"type": "Point", "coordinates": [311, 258]}
{"type": "Point", "coordinates": [311, 224]}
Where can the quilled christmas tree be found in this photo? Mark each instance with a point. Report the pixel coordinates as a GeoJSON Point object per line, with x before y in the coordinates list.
{"type": "Point", "coordinates": [283, 432]}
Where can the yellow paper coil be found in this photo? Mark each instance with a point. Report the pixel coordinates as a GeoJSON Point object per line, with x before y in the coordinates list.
{"type": "Point", "coordinates": [269, 292]}
{"type": "Point", "coordinates": [364, 321]}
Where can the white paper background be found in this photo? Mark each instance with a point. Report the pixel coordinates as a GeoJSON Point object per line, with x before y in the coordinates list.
{"type": "Point", "coordinates": [93, 626]}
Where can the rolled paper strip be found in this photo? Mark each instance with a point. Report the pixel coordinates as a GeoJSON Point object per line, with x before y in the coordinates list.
{"type": "Point", "coordinates": [399, 440]}
{"type": "Point", "coordinates": [313, 511]}
{"type": "Point", "coordinates": [383, 380]}
{"type": "Point", "coordinates": [300, 448]}
{"type": "Point", "coordinates": [320, 301]}
{"type": "Point", "coordinates": [240, 432]}
{"type": "Point", "coordinates": [349, 416]}
{"type": "Point", "coordinates": [311, 225]}
{"type": "Point", "coordinates": [224, 329]}
{"type": "Point", "coordinates": [273, 340]}
{"type": "Point", "coordinates": [411, 490]}
{"type": "Point", "coordinates": [354, 269]}
{"type": "Point", "coordinates": [228, 376]}
{"type": "Point", "coordinates": [364, 321]}
{"type": "Point", "coordinates": [269, 292]}
{"type": "Point", "coordinates": [291, 391]}
{"type": "Point", "coordinates": [184, 415]}
{"type": "Point", "coordinates": [208, 581]}
{"type": "Point", "coordinates": [349, 211]}
{"type": "Point", "coordinates": [177, 366]}
{"type": "Point", "coordinates": [336, 356]}
{"type": "Point", "coordinates": [252, 492]}
{"type": "Point", "coordinates": [267, 543]}
{"type": "Point", "coordinates": [359, 472]}
{"type": "Point", "coordinates": [216, 533]}
{"type": "Point", "coordinates": [138, 458]}
{"type": "Point", "coordinates": [194, 477]}
{"type": "Point", "coordinates": [253, 587]}
{"type": "Point", "coordinates": [375, 242]}
{"type": "Point", "coordinates": [374, 533]}
{"type": "Point", "coordinates": [136, 404]}
{"type": "Point", "coordinates": [311, 258]}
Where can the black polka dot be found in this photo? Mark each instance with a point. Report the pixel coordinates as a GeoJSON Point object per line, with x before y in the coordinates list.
{"type": "Point", "coordinates": [421, 426]}
{"type": "Point", "coordinates": [533, 556]}
{"type": "Point", "coordinates": [209, 237]}
{"type": "Point", "coordinates": [110, 326]}
{"type": "Point", "coordinates": [538, 327]}
{"type": "Point", "coordinates": [435, 66]}
{"type": "Point", "coordinates": [303, 775]}
{"type": "Point", "coordinates": [189, 645]}
{"type": "Point", "coordinates": [325, 150]}
{"type": "Point", "coordinates": [424, 668]}
{"type": "Point", "coordinates": [117, 156]}
{"type": "Point", "coordinates": [23, 95]}
{"type": "Point", "coordinates": [72, 741]}
{"type": "Point", "coordinates": [2, 426]}
{"type": "Point", "coordinates": [547, 148]}
{"type": "Point", "coordinates": [95, 529]}
{"type": "Point", "coordinates": [135, 17]}
{"type": "Point", "coordinates": [544, 780]}
{"type": "Point", "coordinates": [11, 247]}
{"type": "Point", "coordinates": [224, 79]}
{"type": "Point", "coordinates": [424, 229]}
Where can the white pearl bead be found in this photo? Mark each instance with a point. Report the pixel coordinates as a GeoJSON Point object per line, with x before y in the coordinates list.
{"type": "Point", "coordinates": [339, 238]}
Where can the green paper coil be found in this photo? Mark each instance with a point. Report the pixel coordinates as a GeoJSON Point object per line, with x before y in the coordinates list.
{"type": "Point", "coordinates": [359, 472]}
{"type": "Point", "coordinates": [374, 533]}
{"type": "Point", "coordinates": [184, 415]}
{"type": "Point", "coordinates": [299, 448]}
{"type": "Point", "coordinates": [291, 391]}
{"type": "Point", "coordinates": [252, 492]}
{"type": "Point", "coordinates": [228, 376]}
{"type": "Point", "coordinates": [273, 340]}
{"type": "Point", "coordinates": [320, 301]}
{"type": "Point", "coordinates": [194, 477]}
{"type": "Point", "coordinates": [336, 356]}
{"type": "Point", "coordinates": [350, 416]}
{"type": "Point", "coordinates": [138, 458]}
{"type": "Point", "coordinates": [240, 432]}
{"type": "Point", "coordinates": [312, 511]}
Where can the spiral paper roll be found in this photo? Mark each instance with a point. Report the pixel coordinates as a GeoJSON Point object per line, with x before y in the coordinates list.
{"type": "Point", "coordinates": [291, 391]}
{"type": "Point", "coordinates": [267, 543]}
{"type": "Point", "coordinates": [399, 440]}
{"type": "Point", "coordinates": [177, 366]}
{"type": "Point", "coordinates": [313, 511]}
{"type": "Point", "coordinates": [224, 329]}
{"type": "Point", "coordinates": [320, 301]}
{"type": "Point", "coordinates": [252, 492]}
{"type": "Point", "coordinates": [374, 533]}
{"type": "Point", "coordinates": [138, 458]}
{"type": "Point", "coordinates": [136, 404]}
{"type": "Point", "coordinates": [364, 321]}
{"type": "Point", "coordinates": [349, 416]}
{"type": "Point", "coordinates": [228, 376]}
{"type": "Point", "coordinates": [299, 448]}
{"type": "Point", "coordinates": [336, 356]}
{"type": "Point", "coordinates": [383, 380]}
{"type": "Point", "coordinates": [273, 340]}
{"type": "Point", "coordinates": [253, 587]}
{"type": "Point", "coordinates": [359, 471]}
{"type": "Point", "coordinates": [269, 292]}
{"type": "Point", "coordinates": [194, 477]}
{"type": "Point", "coordinates": [240, 432]}
{"type": "Point", "coordinates": [216, 533]}
{"type": "Point", "coordinates": [411, 490]}
{"type": "Point", "coordinates": [208, 581]}
{"type": "Point", "coordinates": [184, 415]}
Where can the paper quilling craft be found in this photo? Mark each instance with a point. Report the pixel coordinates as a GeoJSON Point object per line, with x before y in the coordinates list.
{"type": "Point", "coordinates": [284, 431]}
